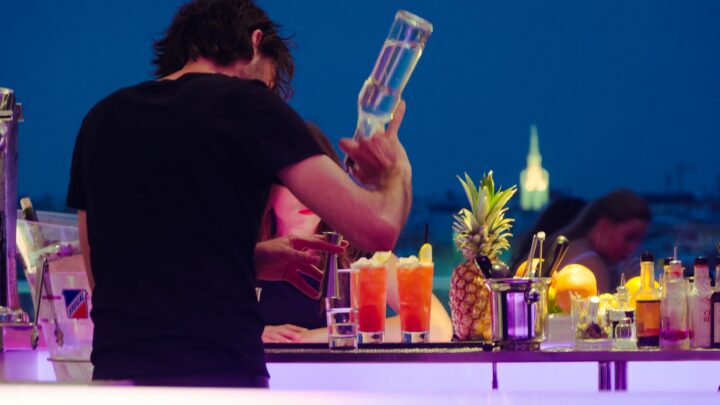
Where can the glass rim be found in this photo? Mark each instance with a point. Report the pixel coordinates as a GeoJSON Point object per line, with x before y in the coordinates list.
{"type": "Point", "coordinates": [348, 270]}
{"type": "Point", "coordinates": [415, 265]}
{"type": "Point", "coordinates": [414, 20]}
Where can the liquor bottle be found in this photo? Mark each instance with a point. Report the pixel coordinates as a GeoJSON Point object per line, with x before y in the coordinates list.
{"type": "Point", "coordinates": [647, 312]}
{"type": "Point", "coordinates": [699, 303]}
{"type": "Point", "coordinates": [622, 319]}
{"type": "Point", "coordinates": [622, 309]}
{"type": "Point", "coordinates": [381, 93]}
{"type": "Point", "coordinates": [715, 309]}
{"type": "Point", "coordinates": [674, 331]}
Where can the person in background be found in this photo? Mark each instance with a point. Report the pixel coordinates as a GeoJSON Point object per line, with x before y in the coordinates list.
{"type": "Point", "coordinates": [560, 213]}
{"type": "Point", "coordinates": [170, 178]}
{"type": "Point", "coordinates": [608, 231]}
{"type": "Point", "coordinates": [290, 314]}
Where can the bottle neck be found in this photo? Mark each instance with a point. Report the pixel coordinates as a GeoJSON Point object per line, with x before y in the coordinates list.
{"type": "Point", "coordinates": [702, 273]}
{"type": "Point", "coordinates": [647, 275]}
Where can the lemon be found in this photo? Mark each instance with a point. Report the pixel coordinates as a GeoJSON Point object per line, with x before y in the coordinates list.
{"type": "Point", "coordinates": [425, 254]}
{"type": "Point", "coordinates": [384, 259]}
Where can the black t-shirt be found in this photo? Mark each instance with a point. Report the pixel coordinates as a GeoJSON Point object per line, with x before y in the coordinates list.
{"type": "Point", "coordinates": [281, 303]}
{"type": "Point", "coordinates": [174, 176]}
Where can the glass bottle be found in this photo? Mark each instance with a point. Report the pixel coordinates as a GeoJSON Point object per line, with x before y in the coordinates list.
{"type": "Point", "coordinates": [715, 309]}
{"type": "Point", "coordinates": [647, 313]}
{"type": "Point", "coordinates": [674, 331]}
{"type": "Point", "coordinates": [381, 92]}
{"type": "Point", "coordinates": [699, 304]}
{"type": "Point", "coordinates": [624, 335]}
{"type": "Point", "coordinates": [622, 308]}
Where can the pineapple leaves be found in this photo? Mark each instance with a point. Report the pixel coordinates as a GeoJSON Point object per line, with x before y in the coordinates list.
{"type": "Point", "coordinates": [483, 228]}
{"type": "Point", "coordinates": [470, 192]}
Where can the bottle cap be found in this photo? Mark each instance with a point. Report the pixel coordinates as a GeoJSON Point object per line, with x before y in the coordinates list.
{"type": "Point", "coordinates": [647, 257]}
{"type": "Point", "coordinates": [667, 260]}
{"type": "Point", "coordinates": [701, 261]}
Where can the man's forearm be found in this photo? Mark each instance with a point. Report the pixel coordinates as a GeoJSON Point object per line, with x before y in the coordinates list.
{"type": "Point", "coordinates": [396, 197]}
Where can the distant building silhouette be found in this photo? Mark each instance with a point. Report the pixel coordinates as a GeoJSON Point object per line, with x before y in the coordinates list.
{"type": "Point", "coordinates": [534, 180]}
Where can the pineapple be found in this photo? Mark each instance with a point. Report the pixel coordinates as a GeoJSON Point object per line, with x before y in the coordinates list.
{"type": "Point", "coordinates": [483, 229]}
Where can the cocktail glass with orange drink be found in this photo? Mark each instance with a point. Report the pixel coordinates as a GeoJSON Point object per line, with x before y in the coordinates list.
{"type": "Point", "coordinates": [370, 283]}
{"type": "Point", "coordinates": [415, 279]}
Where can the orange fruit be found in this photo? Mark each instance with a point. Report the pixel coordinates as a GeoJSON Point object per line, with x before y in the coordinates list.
{"type": "Point", "coordinates": [576, 278]}
{"type": "Point", "coordinates": [521, 268]}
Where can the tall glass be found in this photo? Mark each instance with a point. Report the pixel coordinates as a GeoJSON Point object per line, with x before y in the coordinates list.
{"type": "Point", "coordinates": [370, 281]}
{"type": "Point", "coordinates": [415, 282]}
{"type": "Point", "coordinates": [342, 314]}
{"type": "Point", "coordinates": [400, 53]}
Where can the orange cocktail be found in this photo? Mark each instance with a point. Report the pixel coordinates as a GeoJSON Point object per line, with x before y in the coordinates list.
{"type": "Point", "coordinates": [415, 281]}
{"type": "Point", "coordinates": [371, 286]}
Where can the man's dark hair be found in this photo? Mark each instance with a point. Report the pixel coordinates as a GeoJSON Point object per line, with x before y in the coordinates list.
{"type": "Point", "coordinates": [221, 30]}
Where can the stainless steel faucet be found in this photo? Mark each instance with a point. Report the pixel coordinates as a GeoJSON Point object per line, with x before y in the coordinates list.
{"type": "Point", "coordinates": [10, 115]}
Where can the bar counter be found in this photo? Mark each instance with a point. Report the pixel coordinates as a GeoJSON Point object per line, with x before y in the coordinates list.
{"type": "Point", "coordinates": [612, 365]}
{"type": "Point", "coordinates": [455, 366]}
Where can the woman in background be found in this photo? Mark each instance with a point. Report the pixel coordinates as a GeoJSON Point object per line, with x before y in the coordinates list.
{"type": "Point", "coordinates": [559, 214]}
{"type": "Point", "coordinates": [608, 231]}
{"type": "Point", "coordinates": [291, 315]}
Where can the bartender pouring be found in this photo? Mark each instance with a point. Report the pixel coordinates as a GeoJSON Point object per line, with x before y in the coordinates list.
{"type": "Point", "coordinates": [170, 178]}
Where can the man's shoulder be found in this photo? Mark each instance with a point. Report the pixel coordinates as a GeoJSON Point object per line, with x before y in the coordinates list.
{"type": "Point", "coordinates": [108, 102]}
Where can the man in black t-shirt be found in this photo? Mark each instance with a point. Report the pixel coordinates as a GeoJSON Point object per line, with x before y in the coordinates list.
{"type": "Point", "coordinates": [170, 178]}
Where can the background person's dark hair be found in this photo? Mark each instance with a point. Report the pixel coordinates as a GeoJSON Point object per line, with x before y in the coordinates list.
{"type": "Point", "coordinates": [618, 206]}
{"type": "Point", "coordinates": [221, 30]}
{"type": "Point", "coordinates": [556, 216]}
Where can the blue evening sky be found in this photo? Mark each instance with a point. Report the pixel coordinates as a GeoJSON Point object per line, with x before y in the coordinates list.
{"type": "Point", "coordinates": [622, 92]}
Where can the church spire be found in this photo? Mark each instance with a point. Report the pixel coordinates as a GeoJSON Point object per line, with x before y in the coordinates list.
{"type": "Point", "coordinates": [534, 180]}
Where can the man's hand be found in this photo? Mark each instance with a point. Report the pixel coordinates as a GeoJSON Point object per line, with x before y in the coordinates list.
{"type": "Point", "coordinates": [283, 259]}
{"type": "Point", "coordinates": [380, 156]}
{"type": "Point", "coordinates": [287, 333]}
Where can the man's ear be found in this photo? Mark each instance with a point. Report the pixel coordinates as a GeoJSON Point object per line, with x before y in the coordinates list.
{"type": "Point", "coordinates": [255, 39]}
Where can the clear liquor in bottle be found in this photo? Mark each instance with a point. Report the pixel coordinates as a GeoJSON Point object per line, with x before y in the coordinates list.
{"type": "Point", "coordinates": [382, 91]}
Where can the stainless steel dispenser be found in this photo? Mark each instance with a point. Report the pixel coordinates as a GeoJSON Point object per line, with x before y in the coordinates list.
{"type": "Point", "coordinates": [10, 115]}
{"type": "Point", "coordinates": [329, 285]}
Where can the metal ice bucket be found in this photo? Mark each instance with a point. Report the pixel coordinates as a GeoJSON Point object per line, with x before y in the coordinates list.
{"type": "Point", "coordinates": [519, 312]}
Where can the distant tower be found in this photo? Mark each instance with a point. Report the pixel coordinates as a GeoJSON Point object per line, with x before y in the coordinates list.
{"type": "Point", "coordinates": [534, 180]}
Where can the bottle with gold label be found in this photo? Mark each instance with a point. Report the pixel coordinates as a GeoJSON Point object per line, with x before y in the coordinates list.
{"type": "Point", "coordinates": [647, 311]}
